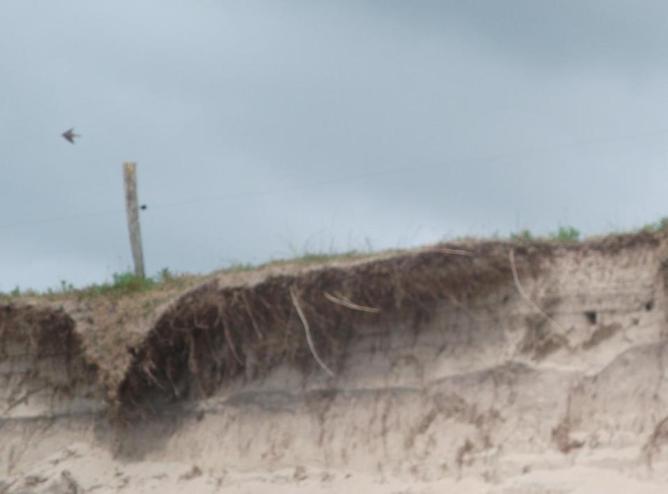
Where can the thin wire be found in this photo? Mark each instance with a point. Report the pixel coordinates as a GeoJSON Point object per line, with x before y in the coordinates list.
{"type": "Point", "coordinates": [348, 178]}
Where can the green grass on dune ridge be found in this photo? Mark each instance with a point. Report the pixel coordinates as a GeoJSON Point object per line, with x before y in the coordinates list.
{"type": "Point", "coordinates": [127, 283]}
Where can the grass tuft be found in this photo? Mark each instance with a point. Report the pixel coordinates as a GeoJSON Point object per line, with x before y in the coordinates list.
{"type": "Point", "coordinates": [657, 226]}
{"type": "Point", "coordinates": [122, 284]}
{"type": "Point", "coordinates": [566, 234]}
{"type": "Point", "coordinates": [522, 236]}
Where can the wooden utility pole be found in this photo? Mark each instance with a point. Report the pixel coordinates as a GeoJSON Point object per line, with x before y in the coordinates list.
{"type": "Point", "coordinates": [132, 208]}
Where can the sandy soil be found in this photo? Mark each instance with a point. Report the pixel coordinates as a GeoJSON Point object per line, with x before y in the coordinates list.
{"type": "Point", "coordinates": [548, 379]}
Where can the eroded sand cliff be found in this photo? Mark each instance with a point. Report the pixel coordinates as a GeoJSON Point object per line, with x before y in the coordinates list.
{"type": "Point", "coordinates": [482, 367]}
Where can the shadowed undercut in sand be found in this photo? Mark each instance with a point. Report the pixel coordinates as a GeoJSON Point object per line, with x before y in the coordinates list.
{"type": "Point", "coordinates": [214, 333]}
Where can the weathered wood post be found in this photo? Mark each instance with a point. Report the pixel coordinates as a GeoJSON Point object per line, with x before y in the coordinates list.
{"type": "Point", "coordinates": [131, 206]}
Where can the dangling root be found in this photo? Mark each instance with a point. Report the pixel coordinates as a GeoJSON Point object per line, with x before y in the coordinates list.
{"type": "Point", "coordinates": [340, 300]}
{"type": "Point", "coordinates": [309, 340]}
{"type": "Point", "coordinates": [526, 297]}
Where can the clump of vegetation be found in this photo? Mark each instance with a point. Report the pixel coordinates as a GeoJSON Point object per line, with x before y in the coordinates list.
{"type": "Point", "coordinates": [657, 226]}
{"type": "Point", "coordinates": [17, 292]}
{"type": "Point", "coordinates": [563, 234]}
{"type": "Point", "coordinates": [66, 287]}
{"type": "Point", "coordinates": [121, 284]}
{"type": "Point", "coordinates": [522, 236]}
{"type": "Point", "coordinates": [128, 283]}
{"type": "Point", "coordinates": [238, 267]}
{"type": "Point", "coordinates": [566, 234]}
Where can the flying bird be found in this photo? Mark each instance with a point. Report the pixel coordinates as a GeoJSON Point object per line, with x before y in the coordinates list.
{"type": "Point", "coordinates": [70, 135]}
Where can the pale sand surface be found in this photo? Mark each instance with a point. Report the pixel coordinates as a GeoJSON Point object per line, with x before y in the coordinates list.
{"type": "Point", "coordinates": [80, 468]}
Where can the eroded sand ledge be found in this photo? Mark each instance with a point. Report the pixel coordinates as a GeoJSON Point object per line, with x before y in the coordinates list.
{"type": "Point", "coordinates": [447, 374]}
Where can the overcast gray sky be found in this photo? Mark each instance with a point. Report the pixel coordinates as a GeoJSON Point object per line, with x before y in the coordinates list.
{"type": "Point", "coordinates": [264, 129]}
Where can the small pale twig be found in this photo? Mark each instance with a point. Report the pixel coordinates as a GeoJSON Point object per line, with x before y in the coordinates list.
{"type": "Point", "coordinates": [295, 302]}
{"type": "Point", "coordinates": [340, 300]}
{"type": "Point", "coordinates": [526, 297]}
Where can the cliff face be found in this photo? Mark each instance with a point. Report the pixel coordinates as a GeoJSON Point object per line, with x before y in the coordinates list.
{"type": "Point", "coordinates": [43, 370]}
{"type": "Point", "coordinates": [490, 361]}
